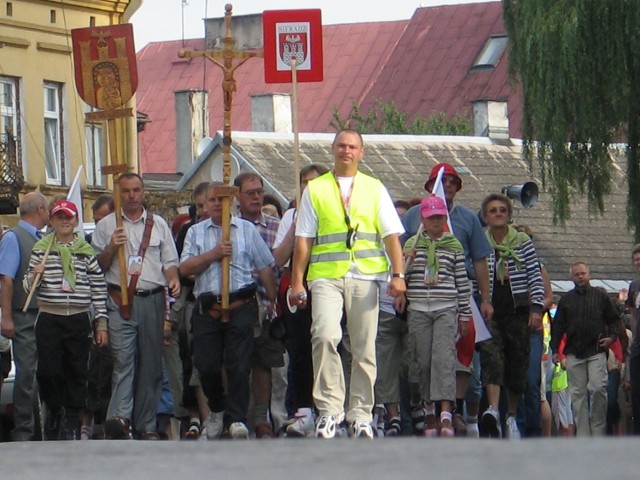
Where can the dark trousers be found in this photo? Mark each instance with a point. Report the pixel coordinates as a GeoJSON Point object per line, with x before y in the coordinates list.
{"type": "Point", "coordinates": [99, 387]}
{"type": "Point", "coordinates": [229, 345]}
{"type": "Point", "coordinates": [634, 364]}
{"type": "Point", "coordinates": [63, 344]}
{"type": "Point", "coordinates": [300, 361]}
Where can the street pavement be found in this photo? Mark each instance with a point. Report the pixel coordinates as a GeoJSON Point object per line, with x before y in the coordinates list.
{"type": "Point", "coordinates": [307, 459]}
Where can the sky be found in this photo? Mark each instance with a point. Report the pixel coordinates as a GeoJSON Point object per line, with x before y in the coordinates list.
{"type": "Point", "coordinates": [160, 20]}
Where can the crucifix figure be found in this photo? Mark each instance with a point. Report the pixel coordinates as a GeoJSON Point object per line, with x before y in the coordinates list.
{"type": "Point", "coordinates": [228, 59]}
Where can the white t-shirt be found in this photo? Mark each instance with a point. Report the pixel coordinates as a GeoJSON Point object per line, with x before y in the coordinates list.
{"type": "Point", "coordinates": [390, 223]}
{"type": "Point", "coordinates": [285, 224]}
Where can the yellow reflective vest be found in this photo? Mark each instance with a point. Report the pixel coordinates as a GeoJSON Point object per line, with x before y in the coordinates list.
{"type": "Point", "coordinates": [330, 257]}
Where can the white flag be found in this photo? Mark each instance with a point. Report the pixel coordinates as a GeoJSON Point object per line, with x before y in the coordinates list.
{"type": "Point", "coordinates": [482, 332]}
{"type": "Point", "coordinates": [75, 196]}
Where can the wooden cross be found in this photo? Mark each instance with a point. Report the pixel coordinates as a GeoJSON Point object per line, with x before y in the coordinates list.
{"type": "Point", "coordinates": [228, 59]}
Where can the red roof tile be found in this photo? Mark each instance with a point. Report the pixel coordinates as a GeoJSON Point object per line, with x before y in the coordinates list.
{"type": "Point", "coordinates": [353, 57]}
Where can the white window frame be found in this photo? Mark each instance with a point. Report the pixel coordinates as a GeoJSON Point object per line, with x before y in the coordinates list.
{"type": "Point", "coordinates": [10, 112]}
{"type": "Point", "coordinates": [95, 150]}
{"type": "Point", "coordinates": [53, 133]}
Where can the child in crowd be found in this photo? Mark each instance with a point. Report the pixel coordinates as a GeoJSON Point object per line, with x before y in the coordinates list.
{"type": "Point", "coordinates": [64, 269]}
{"type": "Point", "coordinates": [438, 292]}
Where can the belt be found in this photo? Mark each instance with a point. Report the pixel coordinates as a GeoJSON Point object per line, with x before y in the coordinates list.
{"type": "Point", "coordinates": [139, 292]}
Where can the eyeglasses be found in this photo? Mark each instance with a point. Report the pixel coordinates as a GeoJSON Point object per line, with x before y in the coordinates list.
{"type": "Point", "coordinates": [447, 180]}
{"type": "Point", "coordinates": [252, 193]}
{"type": "Point", "coordinates": [498, 209]}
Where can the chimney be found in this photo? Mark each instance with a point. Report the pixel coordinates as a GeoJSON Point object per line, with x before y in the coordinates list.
{"type": "Point", "coordinates": [192, 125]}
{"type": "Point", "coordinates": [271, 113]}
{"type": "Point", "coordinates": [490, 119]}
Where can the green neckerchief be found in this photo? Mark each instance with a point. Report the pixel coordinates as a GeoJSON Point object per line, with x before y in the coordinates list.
{"type": "Point", "coordinates": [66, 252]}
{"type": "Point", "coordinates": [506, 249]}
{"type": "Point", "coordinates": [446, 242]}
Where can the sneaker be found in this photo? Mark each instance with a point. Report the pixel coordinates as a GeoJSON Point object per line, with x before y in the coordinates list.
{"type": "Point", "coordinates": [327, 425]}
{"type": "Point", "coordinates": [511, 431]}
{"type": "Point", "coordinates": [361, 429]}
{"type": "Point", "coordinates": [117, 428]}
{"type": "Point", "coordinates": [303, 426]}
{"type": "Point", "coordinates": [193, 432]}
{"type": "Point", "coordinates": [264, 430]}
{"type": "Point", "coordinates": [459, 425]}
{"type": "Point", "coordinates": [491, 423]}
{"type": "Point", "coordinates": [214, 426]}
{"type": "Point", "coordinates": [417, 419]}
{"type": "Point", "coordinates": [446, 425]}
{"type": "Point", "coordinates": [393, 428]}
{"type": "Point", "coordinates": [472, 430]}
{"type": "Point", "coordinates": [86, 432]}
{"type": "Point", "coordinates": [238, 431]}
{"type": "Point", "coordinates": [70, 428]}
{"type": "Point", "coordinates": [430, 425]}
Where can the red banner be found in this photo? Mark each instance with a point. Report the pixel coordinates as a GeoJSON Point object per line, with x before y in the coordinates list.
{"type": "Point", "coordinates": [290, 34]}
{"type": "Point", "coordinates": [105, 65]}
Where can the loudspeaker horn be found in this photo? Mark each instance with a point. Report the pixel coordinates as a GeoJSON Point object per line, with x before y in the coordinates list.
{"type": "Point", "coordinates": [526, 193]}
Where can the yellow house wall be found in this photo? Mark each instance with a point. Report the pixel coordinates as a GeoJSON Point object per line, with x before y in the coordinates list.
{"type": "Point", "coordinates": [35, 50]}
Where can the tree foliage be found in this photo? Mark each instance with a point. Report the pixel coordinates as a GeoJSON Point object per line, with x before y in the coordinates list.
{"type": "Point", "coordinates": [579, 66]}
{"type": "Point", "coordinates": [387, 118]}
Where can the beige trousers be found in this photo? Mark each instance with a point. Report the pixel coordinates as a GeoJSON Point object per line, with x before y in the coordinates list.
{"type": "Point", "coordinates": [359, 298]}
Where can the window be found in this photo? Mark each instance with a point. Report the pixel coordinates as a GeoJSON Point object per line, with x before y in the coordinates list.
{"type": "Point", "coordinates": [10, 115]}
{"type": "Point", "coordinates": [53, 139]}
{"type": "Point", "coordinates": [94, 160]}
{"type": "Point", "coordinates": [491, 53]}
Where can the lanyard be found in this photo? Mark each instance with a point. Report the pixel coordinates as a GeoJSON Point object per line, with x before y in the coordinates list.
{"type": "Point", "coordinates": [345, 200]}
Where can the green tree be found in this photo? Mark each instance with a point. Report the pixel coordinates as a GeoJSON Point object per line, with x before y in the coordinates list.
{"type": "Point", "coordinates": [387, 118]}
{"type": "Point", "coordinates": [579, 67]}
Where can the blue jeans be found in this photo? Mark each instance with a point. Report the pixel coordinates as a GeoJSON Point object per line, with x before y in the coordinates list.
{"type": "Point", "coordinates": [528, 415]}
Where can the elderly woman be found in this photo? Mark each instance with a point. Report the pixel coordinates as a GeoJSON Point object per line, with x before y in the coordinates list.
{"type": "Point", "coordinates": [517, 295]}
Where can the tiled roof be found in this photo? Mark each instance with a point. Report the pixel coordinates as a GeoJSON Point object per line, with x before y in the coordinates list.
{"type": "Point", "coordinates": [403, 163]}
{"type": "Point", "coordinates": [430, 69]}
{"type": "Point", "coordinates": [354, 54]}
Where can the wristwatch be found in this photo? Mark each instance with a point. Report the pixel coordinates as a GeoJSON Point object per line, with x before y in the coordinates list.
{"type": "Point", "coordinates": [398, 275]}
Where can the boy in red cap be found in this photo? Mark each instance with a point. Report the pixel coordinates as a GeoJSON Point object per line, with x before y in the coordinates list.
{"type": "Point", "coordinates": [438, 291]}
{"type": "Point", "coordinates": [64, 269]}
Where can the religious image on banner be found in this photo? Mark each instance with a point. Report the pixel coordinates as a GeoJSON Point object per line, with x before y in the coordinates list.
{"type": "Point", "coordinates": [293, 42]}
{"type": "Point", "coordinates": [105, 65]}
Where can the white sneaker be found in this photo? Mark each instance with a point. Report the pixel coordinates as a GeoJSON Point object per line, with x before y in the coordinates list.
{"type": "Point", "coordinates": [327, 425]}
{"type": "Point", "coordinates": [512, 432]}
{"type": "Point", "coordinates": [238, 431]}
{"type": "Point", "coordinates": [472, 430]}
{"type": "Point", "coordinates": [361, 429]}
{"type": "Point", "coordinates": [303, 426]}
{"type": "Point", "coordinates": [491, 423]}
{"type": "Point", "coordinates": [214, 424]}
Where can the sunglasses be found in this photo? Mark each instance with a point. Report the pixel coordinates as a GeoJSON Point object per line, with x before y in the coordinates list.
{"type": "Point", "coordinates": [498, 209]}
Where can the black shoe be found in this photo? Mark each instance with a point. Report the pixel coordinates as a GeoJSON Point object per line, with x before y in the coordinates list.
{"type": "Point", "coordinates": [117, 428]}
{"type": "Point", "coordinates": [53, 423]}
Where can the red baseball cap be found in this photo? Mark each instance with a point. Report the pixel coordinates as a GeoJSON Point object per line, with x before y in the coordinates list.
{"type": "Point", "coordinates": [66, 207]}
{"type": "Point", "coordinates": [448, 170]}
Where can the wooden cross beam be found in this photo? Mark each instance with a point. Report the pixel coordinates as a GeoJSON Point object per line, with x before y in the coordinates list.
{"type": "Point", "coordinates": [228, 59]}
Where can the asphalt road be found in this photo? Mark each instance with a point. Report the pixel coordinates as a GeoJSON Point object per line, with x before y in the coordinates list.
{"type": "Point", "coordinates": [402, 458]}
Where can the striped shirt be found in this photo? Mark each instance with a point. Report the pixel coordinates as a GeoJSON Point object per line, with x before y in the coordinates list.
{"type": "Point", "coordinates": [526, 282]}
{"type": "Point", "coordinates": [452, 288]}
{"type": "Point", "coordinates": [250, 253]}
{"type": "Point", "coordinates": [90, 288]}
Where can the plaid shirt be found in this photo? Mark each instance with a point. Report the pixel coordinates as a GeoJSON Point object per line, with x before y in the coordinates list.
{"type": "Point", "coordinates": [250, 253]}
{"type": "Point", "coordinates": [267, 227]}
